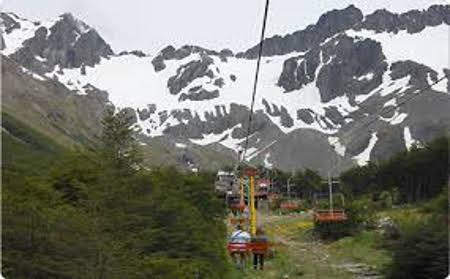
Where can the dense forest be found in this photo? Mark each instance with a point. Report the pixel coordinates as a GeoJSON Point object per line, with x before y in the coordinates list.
{"type": "Point", "coordinates": [419, 174]}
{"type": "Point", "coordinates": [100, 214]}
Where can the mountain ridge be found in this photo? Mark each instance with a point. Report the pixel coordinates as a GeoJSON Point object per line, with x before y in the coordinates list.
{"type": "Point", "coordinates": [196, 96]}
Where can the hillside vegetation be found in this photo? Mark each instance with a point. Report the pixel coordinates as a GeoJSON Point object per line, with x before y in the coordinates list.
{"type": "Point", "coordinates": [416, 175]}
{"type": "Point", "coordinates": [100, 214]}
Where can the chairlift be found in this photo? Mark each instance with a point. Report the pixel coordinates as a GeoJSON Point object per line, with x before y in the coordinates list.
{"type": "Point", "coordinates": [256, 245]}
{"type": "Point", "coordinates": [330, 220]}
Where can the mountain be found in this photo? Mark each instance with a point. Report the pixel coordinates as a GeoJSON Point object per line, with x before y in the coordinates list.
{"type": "Point", "coordinates": [319, 89]}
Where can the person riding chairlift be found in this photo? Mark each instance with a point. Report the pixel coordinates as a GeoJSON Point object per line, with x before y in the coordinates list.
{"type": "Point", "coordinates": [258, 258]}
{"type": "Point", "coordinates": [239, 236]}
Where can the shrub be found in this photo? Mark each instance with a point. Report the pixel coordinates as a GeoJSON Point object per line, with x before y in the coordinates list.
{"type": "Point", "coordinates": [421, 251]}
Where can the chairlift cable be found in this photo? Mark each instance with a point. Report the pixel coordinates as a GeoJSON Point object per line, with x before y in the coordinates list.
{"type": "Point", "coordinates": [255, 84]}
{"type": "Point", "coordinates": [420, 92]}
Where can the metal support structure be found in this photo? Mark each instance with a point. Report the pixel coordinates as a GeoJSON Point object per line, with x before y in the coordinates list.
{"type": "Point", "coordinates": [252, 206]}
{"type": "Point", "coordinates": [241, 190]}
{"type": "Point", "coordinates": [289, 184]}
{"type": "Point", "coordinates": [289, 187]}
{"type": "Point", "coordinates": [330, 182]}
{"type": "Point", "coordinates": [330, 188]}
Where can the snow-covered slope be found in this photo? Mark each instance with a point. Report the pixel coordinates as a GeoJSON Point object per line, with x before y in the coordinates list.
{"type": "Point", "coordinates": [330, 85]}
{"type": "Point", "coordinates": [132, 82]}
{"type": "Point", "coordinates": [14, 34]}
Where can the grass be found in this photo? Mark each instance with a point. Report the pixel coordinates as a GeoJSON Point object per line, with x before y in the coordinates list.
{"type": "Point", "coordinates": [24, 150]}
{"type": "Point", "coordinates": [364, 247]}
{"type": "Point", "coordinates": [405, 213]}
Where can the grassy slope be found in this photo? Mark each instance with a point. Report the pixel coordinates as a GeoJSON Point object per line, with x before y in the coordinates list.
{"type": "Point", "coordinates": [50, 108]}
{"type": "Point", "coordinates": [159, 153]}
{"type": "Point", "coordinates": [24, 150]}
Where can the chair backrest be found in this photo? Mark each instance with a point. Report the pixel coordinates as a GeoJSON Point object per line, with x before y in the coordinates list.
{"type": "Point", "coordinates": [336, 215]}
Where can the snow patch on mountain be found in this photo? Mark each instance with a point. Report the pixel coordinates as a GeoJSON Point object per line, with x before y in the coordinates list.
{"type": "Point", "coordinates": [253, 152]}
{"type": "Point", "coordinates": [416, 47]}
{"type": "Point", "coordinates": [396, 119]}
{"type": "Point", "coordinates": [180, 145]}
{"type": "Point", "coordinates": [33, 75]}
{"type": "Point", "coordinates": [336, 144]}
{"type": "Point", "coordinates": [364, 157]}
{"type": "Point", "coordinates": [367, 76]}
{"type": "Point", "coordinates": [409, 141]}
{"type": "Point", "coordinates": [40, 59]}
{"type": "Point", "coordinates": [391, 102]}
{"type": "Point", "coordinates": [15, 39]}
{"type": "Point", "coordinates": [267, 164]}
{"type": "Point", "coordinates": [223, 138]}
{"type": "Point", "coordinates": [440, 86]}
{"type": "Point", "coordinates": [388, 86]}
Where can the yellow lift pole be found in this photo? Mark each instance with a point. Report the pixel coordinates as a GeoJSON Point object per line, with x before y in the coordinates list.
{"type": "Point", "coordinates": [251, 173]}
{"type": "Point", "coordinates": [252, 206]}
{"type": "Point", "coordinates": [241, 190]}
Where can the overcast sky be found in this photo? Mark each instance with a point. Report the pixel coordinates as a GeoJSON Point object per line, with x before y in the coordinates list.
{"type": "Point", "coordinates": [150, 25]}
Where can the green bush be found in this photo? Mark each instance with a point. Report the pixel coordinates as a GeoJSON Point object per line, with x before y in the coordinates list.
{"type": "Point", "coordinates": [385, 199]}
{"type": "Point", "coordinates": [421, 251]}
{"type": "Point", "coordinates": [362, 212]}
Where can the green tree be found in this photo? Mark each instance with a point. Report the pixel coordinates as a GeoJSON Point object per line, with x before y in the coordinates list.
{"type": "Point", "coordinates": [418, 174]}
{"type": "Point", "coordinates": [308, 182]}
{"type": "Point", "coordinates": [118, 141]}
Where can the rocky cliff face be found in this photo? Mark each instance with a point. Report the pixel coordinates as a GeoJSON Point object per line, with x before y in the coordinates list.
{"type": "Point", "coordinates": [328, 25]}
{"type": "Point", "coordinates": [346, 61]}
{"type": "Point", "coordinates": [319, 87]}
{"type": "Point", "coordinates": [68, 43]}
{"type": "Point", "coordinates": [336, 21]}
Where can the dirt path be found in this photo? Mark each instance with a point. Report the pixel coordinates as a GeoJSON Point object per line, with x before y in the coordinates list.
{"type": "Point", "coordinates": [300, 255]}
{"type": "Point", "coordinates": [308, 257]}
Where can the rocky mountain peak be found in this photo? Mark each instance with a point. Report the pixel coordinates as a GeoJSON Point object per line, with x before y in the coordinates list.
{"type": "Point", "coordinates": [171, 53]}
{"type": "Point", "coordinates": [67, 42]}
{"type": "Point", "coordinates": [138, 53]}
{"type": "Point", "coordinates": [328, 24]}
{"type": "Point", "coordinates": [72, 24]}
{"type": "Point", "coordinates": [336, 20]}
{"type": "Point", "coordinates": [344, 61]}
{"type": "Point", "coordinates": [412, 21]}
{"type": "Point", "coordinates": [9, 22]}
